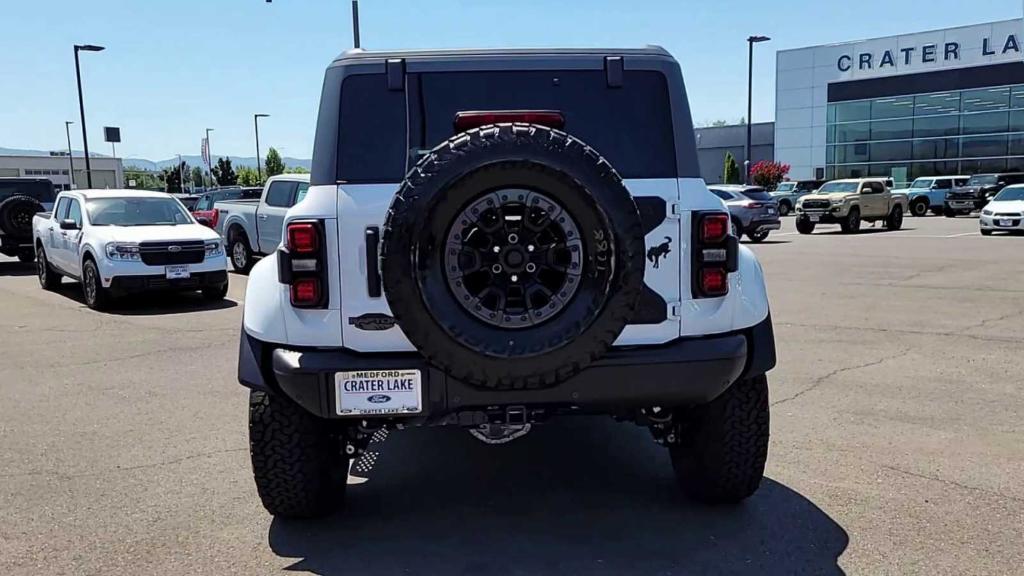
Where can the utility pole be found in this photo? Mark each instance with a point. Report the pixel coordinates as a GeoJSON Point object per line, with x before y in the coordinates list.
{"type": "Point", "coordinates": [750, 98]}
{"type": "Point", "coordinates": [256, 122]}
{"type": "Point", "coordinates": [81, 106]}
{"type": "Point", "coordinates": [209, 155]}
{"type": "Point", "coordinates": [71, 162]}
{"type": "Point", "coordinates": [355, 23]}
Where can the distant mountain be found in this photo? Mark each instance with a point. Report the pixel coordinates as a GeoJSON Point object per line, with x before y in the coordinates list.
{"type": "Point", "coordinates": [192, 160]}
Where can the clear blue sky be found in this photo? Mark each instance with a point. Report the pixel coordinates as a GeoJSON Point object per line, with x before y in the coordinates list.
{"type": "Point", "coordinates": [175, 67]}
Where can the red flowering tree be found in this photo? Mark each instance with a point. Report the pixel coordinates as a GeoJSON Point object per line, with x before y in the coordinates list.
{"type": "Point", "coordinates": [768, 174]}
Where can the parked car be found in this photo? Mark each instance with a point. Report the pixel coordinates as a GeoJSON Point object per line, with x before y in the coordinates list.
{"type": "Point", "coordinates": [929, 193]}
{"type": "Point", "coordinates": [20, 199]}
{"type": "Point", "coordinates": [752, 210]}
{"type": "Point", "coordinates": [497, 281]}
{"type": "Point", "coordinates": [187, 200]}
{"type": "Point", "coordinates": [125, 241]}
{"type": "Point", "coordinates": [204, 211]}
{"type": "Point", "coordinates": [252, 228]}
{"type": "Point", "coordinates": [1005, 213]}
{"type": "Point", "coordinates": [978, 190]}
{"type": "Point", "coordinates": [787, 193]}
{"type": "Point", "coordinates": [848, 202]}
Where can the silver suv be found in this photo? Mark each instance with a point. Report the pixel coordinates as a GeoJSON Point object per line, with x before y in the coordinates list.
{"type": "Point", "coordinates": [752, 210]}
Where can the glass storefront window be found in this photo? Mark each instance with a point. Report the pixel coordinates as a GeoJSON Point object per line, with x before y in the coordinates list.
{"type": "Point", "coordinates": [896, 107]}
{"type": "Point", "coordinates": [852, 171]}
{"type": "Point", "coordinates": [985, 99]}
{"type": "Point", "coordinates": [830, 134]}
{"type": "Point", "coordinates": [851, 111]}
{"type": "Point", "coordinates": [830, 154]}
{"type": "Point", "coordinates": [936, 148]}
{"type": "Point", "coordinates": [982, 166]}
{"type": "Point", "coordinates": [855, 132]}
{"type": "Point", "coordinates": [923, 169]}
{"type": "Point", "coordinates": [1017, 97]}
{"type": "Point", "coordinates": [888, 151]}
{"type": "Point", "coordinates": [1016, 144]}
{"type": "Point", "coordinates": [851, 153]}
{"type": "Point", "coordinates": [892, 129]}
{"type": "Point", "coordinates": [984, 123]}
{"type": "Point", "coordinates": [942, 103]}
{"type": "Point", "coordinates": [980, 146]}
{"type": "Point", "coordinates": [830, 114]}
{"type": "Point", "coordinates": [931, 126]}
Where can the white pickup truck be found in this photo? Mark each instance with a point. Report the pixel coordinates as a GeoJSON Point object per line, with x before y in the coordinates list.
{"type": "Point", "coordinates": [123, 241]}
{"type": "Point", "coordinates": [253, 227]}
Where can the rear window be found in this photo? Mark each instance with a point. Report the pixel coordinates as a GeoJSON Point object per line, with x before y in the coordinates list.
{"type": "Point", "coordinates": [630, 125]}
{"type": "Point", "coordinates": [756, 194]}
{"type": "Point", "coordinates": [38, 189]}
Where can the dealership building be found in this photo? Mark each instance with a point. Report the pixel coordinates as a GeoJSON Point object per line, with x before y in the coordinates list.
{"type": "Point", "coordinates": [940, 102]}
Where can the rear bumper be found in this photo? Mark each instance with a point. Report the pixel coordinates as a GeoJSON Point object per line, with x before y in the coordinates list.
{"type": "Point", "coordinates": [120, 285]}
{"type": "Point", "coordinates": [761, 225]}
{"type": "Point", "coordinates": [686, 371]}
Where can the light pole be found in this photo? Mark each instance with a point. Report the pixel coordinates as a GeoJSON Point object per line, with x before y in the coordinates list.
{"type": "Point", "coordinates": [209, 155]}
{"type": "Point", "coordinates": [181, 176]}
{"type": "Point", "coordinates": [81, 106]}
{"type": "Point", "coordinates": [355, 23]}
{"type": "Point", "coordinates": [71, 162]}
{"type": "Point", "coordinates": [256, 122]}
{"type": "Point", "coordinates": [750, 97]}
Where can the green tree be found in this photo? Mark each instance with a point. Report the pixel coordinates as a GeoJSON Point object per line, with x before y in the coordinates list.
{"type": "Point", "coordinates": [296, 170]}
{"type": "Point", "coordinates": [224, 174]}
{"type": "Point", "coordinates": [730, 171]}
{"type": "Point", "coordinates": [144, 179]}
{"type": "Point", "coordinates": [719, 123]}
{"type": "Point", "coordinates": [248, 177]}
{"type": "Point", "coordinates": [172, 178]}
{"type": "Point", "coordinates": [273, 164]}
{"type": "Point", "coordinates": [197, 176]}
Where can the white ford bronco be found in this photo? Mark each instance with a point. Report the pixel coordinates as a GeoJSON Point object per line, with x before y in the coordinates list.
{"type": "Point", "coordinates": [494, 238]}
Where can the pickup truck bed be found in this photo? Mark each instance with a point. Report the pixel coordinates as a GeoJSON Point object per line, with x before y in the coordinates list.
{"type": "Point", "coordinates": [252, 228]}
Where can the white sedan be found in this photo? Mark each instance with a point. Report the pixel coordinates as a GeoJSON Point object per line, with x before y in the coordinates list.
{"type": "Point", "coordinates": [1005, 212]}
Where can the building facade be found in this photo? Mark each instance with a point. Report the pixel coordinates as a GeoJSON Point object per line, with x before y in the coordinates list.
{"type": "Point", "coordinates": [714, 141]}
{"type": "Point", "coordinates": [940, 102]}
{"type": "Point", "coordinates": [106, 172]}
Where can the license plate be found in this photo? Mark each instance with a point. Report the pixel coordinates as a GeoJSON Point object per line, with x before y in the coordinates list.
{"type": "Point", "coordinates": [177, 271]}
{"type": "Point", "coordinates": [813, 217]}
{"type": "Point", "coordinates": [1004, 222]}
{"type": "Point", "coordinates": [378, 392]}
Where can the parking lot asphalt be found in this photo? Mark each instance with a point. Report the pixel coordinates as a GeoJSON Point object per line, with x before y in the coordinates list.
{"type": "Point", "coordinates": [897, 441]}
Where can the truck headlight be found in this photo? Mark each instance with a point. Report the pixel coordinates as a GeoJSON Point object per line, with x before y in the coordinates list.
{"type": "Point", "coordinates": [836, 201]}
{"type": "Point", "coordinates": [986, 212]}
{"type": "Point", "coordinates": [125, 251]}
{"type": "Point", "coordinates": [214, 248]}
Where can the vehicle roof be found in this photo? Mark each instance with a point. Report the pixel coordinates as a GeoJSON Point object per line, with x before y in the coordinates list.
{"type": "Point", "coordinates": [864, 179]}
{"type": "Point", "coordinates": [362, 54]}
{"type": "Point", "coordinates": [739, 187]}
{"type": "Point", "coordinates": [118, 193]}
{"type": "Point", "coordinates": [940, 177]}
{"type": "Point", "coordinates": [296, 177]}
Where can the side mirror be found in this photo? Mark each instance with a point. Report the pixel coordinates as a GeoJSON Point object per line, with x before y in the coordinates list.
{"type": "Point", "coordinates": [205, 221]}
{"type": "Point", "coordinates": [68, 224]}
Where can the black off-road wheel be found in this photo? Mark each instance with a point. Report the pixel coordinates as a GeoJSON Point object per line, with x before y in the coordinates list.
{"type": "Point", "coordinates": [851, 224]}
{"type": "Point", "coordinates": [513, 256]}
{"type": "Point", "coordinates": [722, 447]}
{"type": "Point", "coordinates": [239, 251]}
{"type": "Point", "coordinates": [296, 461]}
{"type": "Point", "coordinates": [895, 219]}
{"type": "Point", "coordinates": [919, 207]}
{"type": "Point", "coordinates": [49, 278]}
{"type": "Point", "coordinates": [96, 296]}
{"type": "Point", "coordinates": [16, 214]}
{"type": "Point", "coordinates": [803, 225]}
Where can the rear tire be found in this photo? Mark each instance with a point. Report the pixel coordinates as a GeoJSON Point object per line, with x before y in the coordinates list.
{"type": "Point", "coordinates": [895, 219]}
{"type": "Point", "coordinates": [851, 224]}
{"type": "Point", "coordinates": [239, 251]}
{"type": "Point", "coordinates": [723, 446]}
{"type": "Point", "coordinates": [949, 213]}
{"type": "Point", "coordinates": [296, 461]}
{"type": "Point", "coordinates": [216, 293]}
{"type": "Point", "coordinates": [919, 207]}
{"type": "Point", "coordinates": [49, 278]}
{"type": "Point", "coordinates": [26, 256]}
{"type": "Point", "coordinates": [784, 208]}
{"type": "Point", "coordinates": [737, 227]}
{"type": "Point", "coordinates": [804, 226]}
{"type": "Point", "coordinates": [986, 232]}
{"type": "Point", "coordinates": [758, 237]}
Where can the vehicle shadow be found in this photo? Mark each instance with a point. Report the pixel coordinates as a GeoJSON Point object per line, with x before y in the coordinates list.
{"type": "Point", "coordinates": [863, 231]}
{"type": "Point", "coordinates": [150, 304]}
{"type": "Point", "coordinates": [16, 268]}
{"type": "Point", "coordinates": [580, 496]}
{"type": "Point", "coordinates": [767, 242]}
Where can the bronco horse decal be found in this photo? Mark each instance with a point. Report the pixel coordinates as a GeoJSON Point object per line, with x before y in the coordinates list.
{"type": "Point", "coordinates": [656, 253]}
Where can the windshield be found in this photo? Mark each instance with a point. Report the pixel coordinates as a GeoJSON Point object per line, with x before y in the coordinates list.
{"type": "Point", "coordinates": [838, 187]}
{"type": "Point", "coordinates": [1010, 195]}
{"type": "Point", "coordinates": [136, 212]}
{"type": "Point", "coordinates": [982, 180]}
{"type": "Point", "coordinates": [38, 189]}
{"type": "Point", "coordinates": [922, 183]}
{"type": "Point", "coordinates": [786, 187]}
{"type": "Point", "coordinates": [756, 194]}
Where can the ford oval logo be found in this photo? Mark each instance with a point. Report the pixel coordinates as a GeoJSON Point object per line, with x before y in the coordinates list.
{"type": "Point", "coordinates": [379, 398]}
{"type": "Point", "coordinates": [174, 248]}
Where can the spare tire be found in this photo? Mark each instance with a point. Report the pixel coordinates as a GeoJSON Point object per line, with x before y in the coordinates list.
{"type": "Point", "coordinates": [512, 256]}
{"type": "Point", "coordinates": [16, 215]}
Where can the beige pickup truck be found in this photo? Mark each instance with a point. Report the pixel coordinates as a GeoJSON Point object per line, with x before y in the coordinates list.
{"type": "Point", "coordinates": [849, 202]}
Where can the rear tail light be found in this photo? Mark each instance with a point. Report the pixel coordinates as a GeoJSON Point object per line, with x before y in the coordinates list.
{"type": "Point", "coordinates": [214, 217]}
{"type": "Point", "coordinates": [469, 120]}
{"type": "Point", "coordinates": [301, 264]}
{"type": "Point", "coordinates": [754, 205]}
{"type": "Point", "coordinates": [714, 254]}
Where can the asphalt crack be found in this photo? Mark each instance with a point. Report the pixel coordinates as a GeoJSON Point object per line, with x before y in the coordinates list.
{"type": "Point", "coordinates": [822, 379]}
{"type": "Point", "coordinates": [951, 483]}
{"type": "Point", "coordinates": [62, 476]}
{"type": "Point", "coordinates": [904, 331]}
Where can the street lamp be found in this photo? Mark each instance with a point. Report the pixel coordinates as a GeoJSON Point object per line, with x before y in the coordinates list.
{"type": "Point", "coordinates": [750, 97]}
{"type": "Point", "coordinates": [71, 162]}
{"type": "Point", "coordinates": [81, 106]}
{"type": "Point", "coordinates": [256, 122]}
{"type": "Point", "coordinates": [209, 155]}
